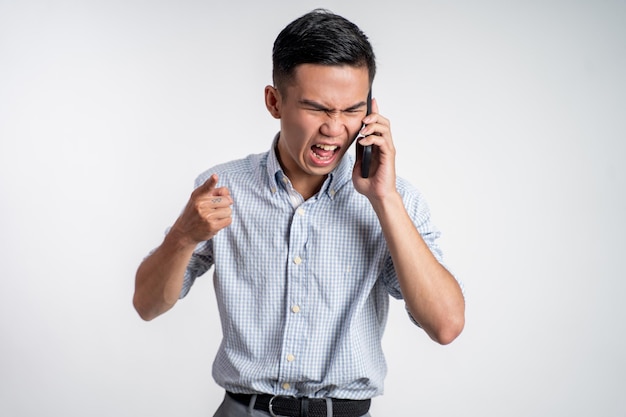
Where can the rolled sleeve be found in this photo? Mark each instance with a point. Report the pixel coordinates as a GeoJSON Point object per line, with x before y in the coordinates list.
{"type": "Point", "coordinates": [201, 261]}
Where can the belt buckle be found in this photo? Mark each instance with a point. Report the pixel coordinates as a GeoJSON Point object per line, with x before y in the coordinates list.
{"type": "Point", "coordinates": [271, 405]}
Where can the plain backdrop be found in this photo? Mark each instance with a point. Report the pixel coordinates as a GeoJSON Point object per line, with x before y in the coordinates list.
{"type": "Point", "coordinates": [508, 115]}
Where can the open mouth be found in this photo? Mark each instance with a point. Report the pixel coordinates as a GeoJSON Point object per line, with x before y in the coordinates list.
{"type": "Point", "coordinates": [324, 152]}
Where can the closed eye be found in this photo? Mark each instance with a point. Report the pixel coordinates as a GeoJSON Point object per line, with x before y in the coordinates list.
{"type": "Point", "coordinates": [317, 107]}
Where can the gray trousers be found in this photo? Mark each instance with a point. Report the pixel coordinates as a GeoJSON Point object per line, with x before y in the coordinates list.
{"type": "Point", "coordinates": [231, 408]}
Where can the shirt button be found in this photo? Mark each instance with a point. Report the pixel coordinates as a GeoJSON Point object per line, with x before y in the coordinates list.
{"type": "Point", "coordinates": [286, 385]}
{"type": "Point", "coordinates": [290, 358]}
{"type": "Point", "coordinates": [301, 211]}
{"type": "Point", "coordinates": [297, 260]}
{"type": "Point", "coordinates": [295, 309]}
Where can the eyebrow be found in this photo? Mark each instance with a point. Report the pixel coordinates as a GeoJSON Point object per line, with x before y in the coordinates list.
{"type": "Point", "coordinates": [319, 106]}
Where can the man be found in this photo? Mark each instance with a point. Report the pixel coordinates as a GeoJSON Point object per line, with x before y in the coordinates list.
{"type": "Point", "coordinates": [306, 251]}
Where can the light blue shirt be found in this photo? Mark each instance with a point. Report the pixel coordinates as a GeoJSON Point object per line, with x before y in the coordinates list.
{"type": "Point", "coordinates": [302, 286]}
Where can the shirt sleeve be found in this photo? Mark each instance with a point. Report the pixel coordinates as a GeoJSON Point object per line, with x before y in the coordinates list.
{"type": "Point", "coordinates": [200, 262]}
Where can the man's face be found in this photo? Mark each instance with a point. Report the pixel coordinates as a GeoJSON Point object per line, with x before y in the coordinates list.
{"type": "Point", "coordinates": [321, 113]}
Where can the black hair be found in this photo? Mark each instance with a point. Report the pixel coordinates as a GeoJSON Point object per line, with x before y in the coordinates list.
{"type": "Point", "coordinates": [320, 37]}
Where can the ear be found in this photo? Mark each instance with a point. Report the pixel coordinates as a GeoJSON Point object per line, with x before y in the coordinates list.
{"type": "Point", "coordinates": [273, 101]}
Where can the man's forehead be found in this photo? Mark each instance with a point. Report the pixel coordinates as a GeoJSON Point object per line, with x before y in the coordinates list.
{"type": "Point", "coordinates": [343, 85]}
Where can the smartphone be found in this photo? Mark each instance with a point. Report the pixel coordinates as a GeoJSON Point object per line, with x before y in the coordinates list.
{"type": "Point", "coordinates": [367, 150]}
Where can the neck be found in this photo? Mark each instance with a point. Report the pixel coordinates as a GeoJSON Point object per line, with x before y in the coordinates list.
{"type": "Point", "coordinates": [305, 184]}
{"type": "Point", "coordinates": [308, 186]}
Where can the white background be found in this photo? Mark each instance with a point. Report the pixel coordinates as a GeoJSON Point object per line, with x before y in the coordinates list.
{"type": "Point", "coordinates": [508, 115]}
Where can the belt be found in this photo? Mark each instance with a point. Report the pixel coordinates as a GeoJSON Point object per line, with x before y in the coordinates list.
{"type": "Point", "coordinates": [286, 406]}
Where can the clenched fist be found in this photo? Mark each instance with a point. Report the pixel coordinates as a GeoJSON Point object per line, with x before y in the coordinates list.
{"type": "Point", "coordinates": [207, 212]}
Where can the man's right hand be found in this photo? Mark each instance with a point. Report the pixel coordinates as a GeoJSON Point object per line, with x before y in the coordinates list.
{"type": "Point", "coordinates": [207, 212]}
{"type": "Point", "coordinates": [159, 278]}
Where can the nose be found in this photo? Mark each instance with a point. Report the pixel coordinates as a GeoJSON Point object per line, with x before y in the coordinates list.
{"type": "Point", "coordinates": [333, 125]}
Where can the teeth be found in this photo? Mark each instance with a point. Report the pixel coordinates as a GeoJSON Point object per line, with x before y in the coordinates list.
{"type": "Point", "coordinates": [327, 147]}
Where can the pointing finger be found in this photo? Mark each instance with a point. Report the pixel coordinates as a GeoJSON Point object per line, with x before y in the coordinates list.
{"type": "Point", "coordinates": [209, 184]}
{"type": "Point", "coordinates": [208, 188]}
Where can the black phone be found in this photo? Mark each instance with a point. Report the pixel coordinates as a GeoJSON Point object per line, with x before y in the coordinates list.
{"type": "Point", "coordinates": [367, 150]}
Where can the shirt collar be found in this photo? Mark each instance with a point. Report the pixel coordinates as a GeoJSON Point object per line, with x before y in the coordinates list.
{"type": "Point", "coordinates": [337, 178]}
{"type": "Point", "coordinates": [273, 166]}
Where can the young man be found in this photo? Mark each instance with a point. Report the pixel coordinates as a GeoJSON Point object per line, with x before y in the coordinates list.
{"type": "Point", "coordinates": [306, 251]}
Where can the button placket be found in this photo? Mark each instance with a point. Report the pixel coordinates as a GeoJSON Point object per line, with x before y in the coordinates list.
{"type": "Point", "coordinates": [295, 331]}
